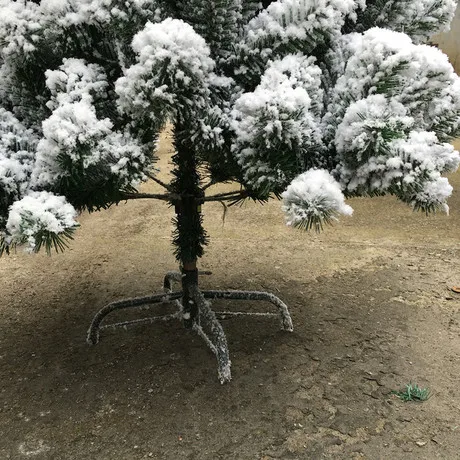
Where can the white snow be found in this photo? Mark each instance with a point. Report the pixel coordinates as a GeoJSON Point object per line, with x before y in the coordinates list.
{"type": "Point", "coordinates": [173, 70]}
{"type": "Point", "coordinates": [299, 19]}
{"type": "Point", "coordinates": [313, 194]}
{"type": "Point", "coordinates": [365, 119]}
{"type": "Point", "coordinates": [375, 115]}
{"type": "Point", "coordinates": [75, 81]}
{"type": "Point", "coordinates": [434, 192]}
{"type": "Point", "coordinates": [38, 212]}
{"type": "Point", "coordinates": [16, 155]}
{"type": "Point", "coordinates": [18, 20]}
{"type": "Point", "coordinates": [74, 12]}
{"type": "Point", "coordinates": [281, 113]}
{"type": "Point", "coordinates": [70, 126]}
{"type": "Point", "coordinates": [383, 61]}
{"type": "Point", "coordinates": [412, 165]}
{"type": "Point", "coordinates": [391, 105]}
{"type": "Point", "coordinates": [418, 18]}
{"type": "Point", "coordinates": [307, 23]}
{"type": "Point", "coordinates": [74, 130]}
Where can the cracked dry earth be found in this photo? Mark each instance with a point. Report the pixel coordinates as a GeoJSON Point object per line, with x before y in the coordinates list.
{"type": "Point", "coordinates": [372, 311]}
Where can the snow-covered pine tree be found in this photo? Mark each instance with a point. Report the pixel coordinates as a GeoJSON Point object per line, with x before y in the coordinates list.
{"type": "Point", "coordinates": [313, 101]}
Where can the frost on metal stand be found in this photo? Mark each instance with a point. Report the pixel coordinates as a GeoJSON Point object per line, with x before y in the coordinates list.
{"type": "Point", "coordinates": [95, 327]}
{"type": "Point", "coordinates": [205, 322]}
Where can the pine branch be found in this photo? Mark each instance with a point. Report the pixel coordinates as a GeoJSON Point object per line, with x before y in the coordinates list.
{"type": "Point", "coordinates": [236, 197]}
{"type": "Point", "coordinates": [225, 194]}
{"type": "Point", "coordinates": [209, 184]}
{"type": "Point", "coordinates": [155, 196]}
{"type": "Point", "coordinates": [158, 181]}
{"type": "Point", "coordinates": [56, 241]}
{"type": "Point", "coordinates": [316, 222]}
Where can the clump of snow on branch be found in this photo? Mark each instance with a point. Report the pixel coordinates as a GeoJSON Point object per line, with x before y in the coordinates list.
{"type": "Point", "coordinates": [381, 153]}
{"type": "Point", "coordinates": [36, 216]}
{"type": "Point", "coordinates": [368, 123]}
{"type": "Point", "coordinates": [422, 161]}
{"type": "Point", "coordinates": [75, 81]}
{"type": "Point", "coordinates": [75, 132]}
{"type": "Point", "coordinates": [19, 25]}
{"type": "Point", "coordinates": [305, 18]}
{"type": "Point", "coordinates": [64, 132]}
{"type": "Point", "coordinates": [172, 73]}
{"type": "Point", "coordinates": [405, 95]}
{"type": "Point", "coordinates": [314, 197]}
{"type": "Point", "coordinates": [69, 13]}
{"type": "Point", "coordinates": [385, 62]}
{"type": "Point", "coordinates": [277, 125]}
{"type": "Point", "coordinates": [300, 71]}
{"type": "Point", "coordinates": [310, 22]}
{"type": "Point", "coordinates": [419, 19]}
{"type": "Point", "coordinates": [17, 145]}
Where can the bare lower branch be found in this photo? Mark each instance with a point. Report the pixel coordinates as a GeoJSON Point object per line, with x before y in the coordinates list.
{"type": "Point", "coordinates": [209, 184]}
{"type": "Point", "coordinates": [233, 192]}
{"type": "Point", "coordinates": [155, 196]}
{"type": "Point", "coordinates": [158, 181]}
{"type": "Point", "coordinates": [229, 196]}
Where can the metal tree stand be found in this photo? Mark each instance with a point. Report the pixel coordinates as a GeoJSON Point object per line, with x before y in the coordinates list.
{"type": "Point", "coordinates": [203, 320]}
{"type": "Point", "coordinates": [186, 194]}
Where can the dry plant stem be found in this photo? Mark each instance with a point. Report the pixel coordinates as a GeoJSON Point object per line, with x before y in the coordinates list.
{"type": "Point", "coordinates": [173, 197]}
{"type": "Point", "coordinates": [233, 192]}
{"type": "Point", "coordinates": [236, 194]}
{"type": "Point", "coordinates": [205, 187]}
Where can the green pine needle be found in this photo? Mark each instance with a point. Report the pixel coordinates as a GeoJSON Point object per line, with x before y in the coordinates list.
{"type": "Point", "coordinates": [317, 222]}
{"type": "Point", "coordinates": [44, 239]}
{"type": "Point", "coordinates": [57, 241]}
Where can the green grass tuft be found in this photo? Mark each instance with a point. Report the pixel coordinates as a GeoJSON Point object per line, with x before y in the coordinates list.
{"type": "Point", "coordinates": [412, 392]}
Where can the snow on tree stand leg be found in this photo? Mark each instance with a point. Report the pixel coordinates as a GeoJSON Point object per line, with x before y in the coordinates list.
{"type": "Point", "coordinates": [196, 313]}
{"type": "Point", "coordinates": [191, 312]}
{"type": "Point", "coordinates": [214, 338]}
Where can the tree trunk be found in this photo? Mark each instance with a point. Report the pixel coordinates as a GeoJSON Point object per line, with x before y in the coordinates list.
{"type": "Point", "coordinates": [190, 217]}
{"type": "Point", "coordinates": [189, 236]}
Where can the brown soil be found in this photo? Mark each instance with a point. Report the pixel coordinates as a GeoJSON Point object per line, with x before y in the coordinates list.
{"type": "Point", "coordinates": [372, 311]}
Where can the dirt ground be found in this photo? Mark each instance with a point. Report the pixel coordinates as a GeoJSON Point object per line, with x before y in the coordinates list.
{"type": "Point", "coordinates": [372, 311]}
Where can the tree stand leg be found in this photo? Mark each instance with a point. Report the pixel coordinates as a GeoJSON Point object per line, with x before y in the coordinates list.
{"type": "Point", "coordinates": [211, 331]}
{"type": "Point", "coordinates": [196, 313]}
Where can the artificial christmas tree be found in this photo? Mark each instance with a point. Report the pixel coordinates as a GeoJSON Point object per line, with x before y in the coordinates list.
{"type": "Point", "coordinates": [313, 101]}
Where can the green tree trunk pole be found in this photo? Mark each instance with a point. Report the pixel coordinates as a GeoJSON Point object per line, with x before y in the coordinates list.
{"type": "Point", "coordinates": [189, 235]}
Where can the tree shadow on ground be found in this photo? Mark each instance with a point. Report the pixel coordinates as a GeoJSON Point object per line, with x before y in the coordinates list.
{"type": "Point", "coordinates": [151, 391]}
